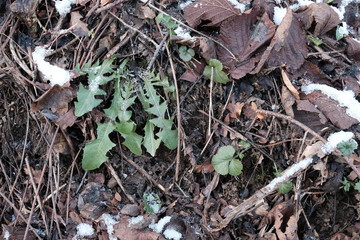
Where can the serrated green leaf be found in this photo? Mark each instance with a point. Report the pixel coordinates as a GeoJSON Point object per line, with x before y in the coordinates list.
{"type": "Point", "coordinates": [132, 140]}
{"type": "Point", "coordinates": [214, 70]}
{"type": "Point", "coordinates": [235, 167]}
{"type": "Point", "coordinates": [86, 100]}
{"type": "Point", "coordinates": [285, 187]}
{"type": "Point", "coordinates": [186, 54]}
{"type": "Point", "coordinates": [347, 147]}
{"type": "Point", "coordinates": [169, 138]}
{"type": "Point", "coordinates": [95, 151]}
{"type": "Point", "coordinates": [221, 160]}
{"type": "Point", "coordinates": [150, 143]}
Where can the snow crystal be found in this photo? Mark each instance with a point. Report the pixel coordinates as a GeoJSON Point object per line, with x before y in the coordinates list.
{"type": "Point", "coordinates": [84, 229]}
{"type": "Point", "coordinates": [185, 4]}
{"type": "Point", "coordinates": [135, 220]}
{"type": "Point", "coordinates": [342, 30]}
{"type": "Point", "coordinates": [172, 234]}
{"type": "Point", "coordinates": [334, 139]}
{"type": "Point", "coordinates": [346, 98]}
{"type": "Point", "coordinates": [64, 6]}
{"type": "Point", "coordinates": [52, 73]}
{"type": "Point", "coordinates": [7, 235]}
{"type": "Point", "coordinates": [158, 227]}
{"type": "Point", "coordinates": [279, 14]}
{"type": "Point", "coordinates": [183, 33]}
{"type": "Point", "coordinates": [109, 221]}
{"type": "Point", "coordinates": [238, 5]}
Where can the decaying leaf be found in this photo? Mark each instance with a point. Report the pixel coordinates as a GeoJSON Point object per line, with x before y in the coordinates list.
{"type": "Point", "coordinates": [353, 49]}
{"type": "Point", "coordinates": [79, 27]}
{"type": "Point", "coordinates": [289, 85]}
{"type": "Point", "coordinates": [287, 100]}
{"type": "Point", "coordinates": [331, 109]}
{"type": "Point", "coordinates": [288, 47]}
{"type": "Point", "coordinates": [322, 14]}
{"type": "Point", "coordinates": [214, 11]}
{"type": "Point", "coordinates": [243, 35]}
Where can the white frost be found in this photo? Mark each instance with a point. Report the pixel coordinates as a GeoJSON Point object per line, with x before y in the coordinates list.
{"type": "Point", "coordinates": [52, 73]}
{"type": "Point", "coordinates": [172, 234]}
{"type": "Point", "coordinates": [183, 33]}
{"type": "Point", "coordinates": [238, 5]}
{"type": "Point", "coordinates": [109, 221]}
{"type": "Point", "coordinates": [346, 98]}
{"type": "Point", "coordinates": [279, 14]}
{"type": "Point", "coordinates": [185, 4]}
{"type": "Point", "coordinates": [334, 139]}
{"type": "Point", "coordinates": [64, 6]}
{"type": "Point", "coordinates": [7, 235]}
{"type": "Point", "coordinates": [158, 227]}
{"type": "Point", "coordinates": [84, 229]}
{"type": "Point", "coordinates": [135, 220]}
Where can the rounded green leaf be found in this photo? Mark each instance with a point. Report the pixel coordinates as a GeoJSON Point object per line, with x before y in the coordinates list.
{"type": "Point", "coordinates": [221, 160]}
{"type": "Point", "coordinates": [347, 147]}
{"type": "Point", "coordinates": [186, 53]}
{"type": "Point", "coordinates": [235, 167]}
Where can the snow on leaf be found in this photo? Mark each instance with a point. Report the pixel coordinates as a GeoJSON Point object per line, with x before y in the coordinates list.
{"type": "Point", "coordinates": [214, 11]}
{"type": "Point", "coordinates": [95, 151]}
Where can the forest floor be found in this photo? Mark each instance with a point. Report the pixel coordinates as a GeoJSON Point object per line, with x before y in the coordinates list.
{"type": "Point", "coordinates": [207, 119]}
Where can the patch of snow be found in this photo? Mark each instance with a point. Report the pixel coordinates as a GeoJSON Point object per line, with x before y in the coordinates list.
{"type": "Point", "coordinates": [7, 235]}
{"type": "Point", "coordinates": [279, 14]}
{"type": "Point", "coordinates": [301, 3]}
{"type": "Point", "coordinates": [64, 6]}
{"type": "Point", "coordinates": [343, 30]}
{"type": "Point", "coordinates": [84, 229]}
{"type": "Point", "coordinates": [340, 12]}
{"type": "Point", "coordinates": [52, 73]}
{"type": "Point", "coordinates": [135, 220]}
{"type": "Point", "coordinates": [346, 98]}
{"type": "Point", "coordinates": [291, 171]}
{"type": "Point", "coordinates": [172, 234]}
{"type": "Point", "coordinates": [154, 202]}
{"type": "Point", "coordinates": [94, 85]}
{"type": "Point", "coordinates": [181, 32]}
{"type": "Point", "coordinates": [238, 5]}
{"type": "Point", "coordinates": [185, 4]}
{"type": "Point", "coordinates": [158, 227]}
{"type": "Point", "coordinates": [334, 139]}
{"type": "Point", "coordinates": [109, 221]}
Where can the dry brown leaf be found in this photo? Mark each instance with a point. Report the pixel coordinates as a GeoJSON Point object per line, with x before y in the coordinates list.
{"type": "Point", "coordinates": [214, 11]}
{"type": "Point", "coordinates": [67, 119]}
{"type": "Point", "coordinates": [288, 47]}
{"type": "Point", "coordinates": [289, 85]}
{"type": "Point", "coordinates": [207, 48]}
{"type": "Point", "coordinates": [322, 14]}
{"type": "Point", "coordinates": [331, 109]}
{"type": "Point", "coordinates": [353, 49]}
{"type": "Point", "coordinates": [212, 185]}
{"type": "Point", "coordinates": [79, 27]}
{"type": "Point", "coordinates": [193, 74]}
{"type": "Point", "coordinates": [243, 35]}
{"type": "Point", "coordinates": [287, 100]}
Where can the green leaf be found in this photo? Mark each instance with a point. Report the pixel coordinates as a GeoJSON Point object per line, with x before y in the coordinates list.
{"type": "Point", "coordinates": [86, 100]}
{"type": "Point", "coordinates": [346, 184]}
{"type": "Point", "coordinates": [150, 143]}
{"type": "Point", "coordinates": [214, 71]}
{"type": "Point", "coordinates": [95, 151]}
{"type": "Point", "coordinates": [186, 54]}
{"type": "Point", "coordinates": [285, 187]}
{"type": "Point", "coordinates": [347, 147]}
{"type": "Point", "coordinates": [166, 20]}
{"type": "Point", "coordinates": [235, 167]}
{"type": "Point", "coordinates": [245, 144]}
{"type": "Point", "coordinates": [169, 138]}
{"type": "Point", "coordinates": [357, 186]}
{"type": "Point", "coordinates": [132, 140]}
{"type": "Point", "coordinates": [224, 163]}
{"type": "Point", "coordinates": [314, 40]}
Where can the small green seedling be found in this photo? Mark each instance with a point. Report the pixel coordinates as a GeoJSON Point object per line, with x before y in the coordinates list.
{"type": "Point", "coordinates": [347, 147]}
{"type": "Point", "coordinates": [225, 163]}
{"type": "Point", "coordinates": [152, 202]}
{"type": "Point", "coordinates": [357, 186]}
{"type": "Point", "coordinates": [346, 184]}
{"type": "Point", "coordinates": [315, 40]}
{"type": "Point", "coordinates": [166, 20]}
{"type": "Point", "coordinates": [186, 54]}
{"type": "Point", "coordinates": [286, 187]}
{"type": "Point", "coordinates": [214, 71]}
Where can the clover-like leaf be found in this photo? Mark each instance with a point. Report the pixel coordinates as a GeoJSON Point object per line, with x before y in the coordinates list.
{"type": "Point", "coordinates": [214, 70]}
{"type": "Point", "coordinates": [347, 147]}
{"type": "Point", "coordinates": [186, 54]}
{"type": "Point", "coordinates": [224, 162]}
